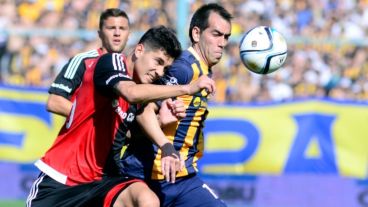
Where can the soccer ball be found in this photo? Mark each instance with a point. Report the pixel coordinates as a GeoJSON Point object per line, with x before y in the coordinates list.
{"type": "Point", "coordinates": [263, 50]}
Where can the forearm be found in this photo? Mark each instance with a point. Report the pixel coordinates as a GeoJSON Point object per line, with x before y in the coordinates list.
{"type": "Point", "coordinates": [140, 93]}
{"type": "Point", "coordinates": [149, 123]}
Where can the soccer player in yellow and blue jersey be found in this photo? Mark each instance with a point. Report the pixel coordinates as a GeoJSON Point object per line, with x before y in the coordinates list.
{"type": "Point", "coordinates": [209, 31]}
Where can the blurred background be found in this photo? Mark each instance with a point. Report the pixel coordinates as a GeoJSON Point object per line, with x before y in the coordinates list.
{"type": "Point", "coordinates": [293, 138]}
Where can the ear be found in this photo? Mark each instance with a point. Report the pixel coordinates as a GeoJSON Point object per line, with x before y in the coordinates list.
{"type": "Point", "coordinates": [139, 49]}
{"type": "Point", "coordinates": [196, 33]}
{"type": "Point", "coordinates": [99, 34]}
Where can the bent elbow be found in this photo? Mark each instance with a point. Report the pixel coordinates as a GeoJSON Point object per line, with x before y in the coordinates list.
{"type": "Point", "coordinates": [49, 106]}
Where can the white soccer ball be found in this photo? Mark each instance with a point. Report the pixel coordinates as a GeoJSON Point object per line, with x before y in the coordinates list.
{"type": "Point", "coordinates": [263, 50]}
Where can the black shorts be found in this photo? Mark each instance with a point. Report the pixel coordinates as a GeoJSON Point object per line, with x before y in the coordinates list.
{"type": "Point", "coordinates": [46, 191]}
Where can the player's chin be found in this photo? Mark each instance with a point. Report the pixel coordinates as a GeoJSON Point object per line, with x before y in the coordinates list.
{"type": "Point", "coordinates": [216, 60]}
{"type": "Point", "coordinates": [217, 56]}
{"type": "Point", "coordinates": [117, 49]}
{"type": "Point", "coordinates": [146, 80]}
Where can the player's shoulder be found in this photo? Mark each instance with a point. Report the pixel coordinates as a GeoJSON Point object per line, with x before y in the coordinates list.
{"type": "Point", "coordinates": [112, 57]}
{"type": "Point", "coordinates": [184, 61]}
{"type": "Point", "coordinates": [112, 60]}
{"type": "Point", "coordinates": [87, 54]}
{"type": "Point", "coordinates": [186, 57]}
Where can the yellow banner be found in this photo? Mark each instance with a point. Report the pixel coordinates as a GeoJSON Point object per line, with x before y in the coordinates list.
{"type": "Point", "coordinates": [27, 130]}
{"type": "Point", "coordinates": [299, 137]}
{"type": "Point", "coordinates": [315, 136]}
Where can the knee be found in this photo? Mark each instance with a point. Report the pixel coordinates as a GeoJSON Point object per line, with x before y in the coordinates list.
{"type": "Point", "coordinates": [148, 199]}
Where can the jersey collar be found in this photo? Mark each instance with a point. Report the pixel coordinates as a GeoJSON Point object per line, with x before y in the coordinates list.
{"type": "Point", "coordinates": [194, 53]}
{"type": "Point", "coordinates": [201, 62]}
{"type": "Point", "coordinates": [100, 51]}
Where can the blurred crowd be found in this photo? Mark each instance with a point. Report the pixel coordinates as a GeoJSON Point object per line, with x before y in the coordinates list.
{"type": "Point", "coordinates": [327, 50]}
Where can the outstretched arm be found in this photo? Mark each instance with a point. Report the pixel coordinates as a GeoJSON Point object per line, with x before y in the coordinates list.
{"type": "Point", "coordinates": [140, 93]}
{"type": "Point", "coordinates": [109, 77]}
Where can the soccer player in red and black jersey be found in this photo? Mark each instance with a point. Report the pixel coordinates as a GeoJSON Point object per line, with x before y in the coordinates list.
{"type": "Point", "coordinates": [113, 33]}
{"type": "Point", "coordinates": [82, 166]}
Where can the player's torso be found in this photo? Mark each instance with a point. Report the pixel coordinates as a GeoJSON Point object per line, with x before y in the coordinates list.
{"type": "Point", "coordinates": [89, 142]}
{"type": "Point", "coordinates": [186, 135]}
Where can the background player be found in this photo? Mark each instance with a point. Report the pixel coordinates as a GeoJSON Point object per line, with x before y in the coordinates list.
{"type": "Point", "coordinates": [209, 31]}
{"type": "Point", "coordinates": [81, 167]}
{"type": "Point", "coordinates": [113, 33]}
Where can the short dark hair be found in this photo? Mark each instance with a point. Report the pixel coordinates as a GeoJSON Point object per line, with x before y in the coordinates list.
{"type": "Point", "coordinates": [112, 12]}
{"type": "Point", "coordinates": [162, 38]}
{"type": "Point", "coordinates": [200, 17]}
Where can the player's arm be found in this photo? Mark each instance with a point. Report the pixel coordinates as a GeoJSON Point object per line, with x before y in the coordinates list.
{"type": "Point", "coordinates": [64, 86]}
{"type": "Point", "coordinates": [141, 93]}
{"type": "Point", "coordinates": [177, 74]}
{"type": "Point", "coordinates": [59, 105]}
{"type": "Point", "coordinates": [111, 76]}
{"type": "Point", "coordinates": [170, 158]}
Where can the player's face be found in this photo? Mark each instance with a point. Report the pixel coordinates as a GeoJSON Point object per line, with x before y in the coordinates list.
{"type": "Point", "coordinates": [213, 39]}
{"type": "Point", "coordinates": [150, 65]}
{"type": "Point", "coordinates": [114, 34]}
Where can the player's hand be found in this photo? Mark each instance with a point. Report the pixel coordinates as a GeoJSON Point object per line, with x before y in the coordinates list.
{"type": "Point", "coordinates": [170, 162]}
{"type": "Point", "coordinates": [177, 108]}
{"type": "Point", "coordinates": [170, 112]}
{"type": "Point", "coordinates": [203, 82]}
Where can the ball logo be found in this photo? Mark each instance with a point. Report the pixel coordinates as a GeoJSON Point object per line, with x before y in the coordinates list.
{"type": "Point", "coordinates": [281, 60]}
{"type": "Point", "coordinates": [254, 43]}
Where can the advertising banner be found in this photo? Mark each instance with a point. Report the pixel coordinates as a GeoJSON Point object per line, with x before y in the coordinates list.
{"type": "Point", "coordinates": [255, 154]}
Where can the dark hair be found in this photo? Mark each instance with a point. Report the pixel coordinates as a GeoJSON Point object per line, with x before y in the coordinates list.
{"type": "Point", "coordinates": [112, 12]}
{"type": "Point", "coordinates": [200, 17]}
{"type": "Point", "coordinates": [162, 38]}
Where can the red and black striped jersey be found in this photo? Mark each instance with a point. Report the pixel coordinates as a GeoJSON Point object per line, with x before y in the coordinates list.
{"type": "Point", "coordinates": [89, 143]}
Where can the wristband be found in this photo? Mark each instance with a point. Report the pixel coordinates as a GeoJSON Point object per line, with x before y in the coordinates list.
{"type": "Point", "coordinates": [169, 150]}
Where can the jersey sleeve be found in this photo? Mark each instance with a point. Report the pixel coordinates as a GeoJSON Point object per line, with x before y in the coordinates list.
{"type": "Point", "coordinates": [69, 78]}
{"type": "Point", "coordinates": [110, 69]}
{"type": "Point", "coordinates": [179, 73]}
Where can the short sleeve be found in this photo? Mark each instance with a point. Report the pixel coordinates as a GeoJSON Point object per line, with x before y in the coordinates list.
{"type": "Point", "coordinates": [110, 69]}
{"type": "Point", "coordinates": [70, 76]}
{"type": "Point", "coordinates": [179, 73]}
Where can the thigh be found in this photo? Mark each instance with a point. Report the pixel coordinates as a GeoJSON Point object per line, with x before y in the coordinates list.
{"type": "Point", "coordinates": [137, 194]}
{"type": "Point", "coordinates": [196, 193]}
{"type": "Point", "coordinates": [47, 192]}
{"type": "Point", "coordinates": [188, 191]}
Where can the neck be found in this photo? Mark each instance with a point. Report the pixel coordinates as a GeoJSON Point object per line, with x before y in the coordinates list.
{"type": "Point", "coordinates": [200, 54]}
{"type": "Point", "coordinates": [130, 63]}
{"type": "Point", "coordinates": [103, 50]}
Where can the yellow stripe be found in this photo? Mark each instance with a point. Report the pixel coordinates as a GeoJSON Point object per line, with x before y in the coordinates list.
{"type": "Point", "coordinates": [204, 67]}
{"type": "Point", "coordinates": [200, 147]}
{"type": "Point", "coordinates": [196, 72]}
{"type": "Point", "coordinates": [189, 139]}
{"type": "Point", "coordinates": [156, 168]}
{"type": "Point", "coordinates": [170, 131]}
{"type": "Point", "coordinates": [23, 96]}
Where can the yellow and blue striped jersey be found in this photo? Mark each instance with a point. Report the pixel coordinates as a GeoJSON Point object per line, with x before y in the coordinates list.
{"type": "Point", "coordinates": [142, 158]}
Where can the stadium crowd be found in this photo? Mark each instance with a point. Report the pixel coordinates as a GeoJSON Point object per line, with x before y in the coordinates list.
{"type": "Point", "coordinates": [327, 52]}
